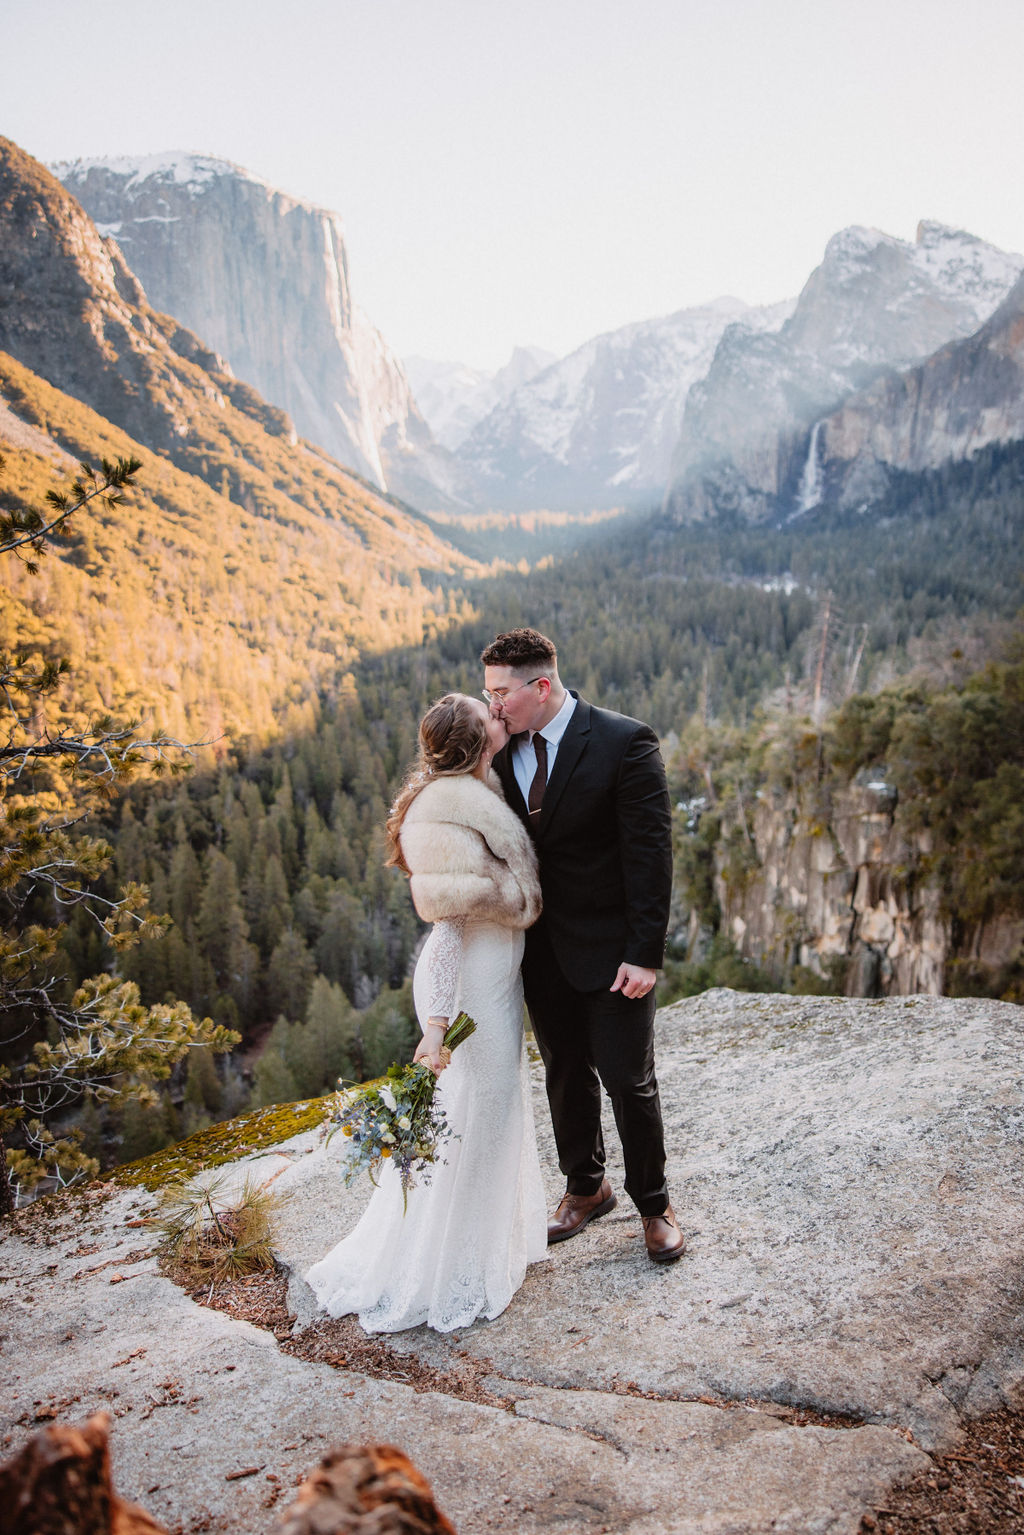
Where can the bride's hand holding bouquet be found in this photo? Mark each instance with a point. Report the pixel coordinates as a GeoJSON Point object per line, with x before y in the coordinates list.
{"type": "Point", "coordinates": [432, 1050]}
{"type": "Point", "coordinates": [395, 1118]}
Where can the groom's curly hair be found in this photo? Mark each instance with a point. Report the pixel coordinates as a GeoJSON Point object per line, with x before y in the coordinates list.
{"type": "Point", "coordinates": [520, 648]}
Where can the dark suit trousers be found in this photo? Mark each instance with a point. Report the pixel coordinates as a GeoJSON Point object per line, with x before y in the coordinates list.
{"type": "Point", "coordinates": [588, 1039]}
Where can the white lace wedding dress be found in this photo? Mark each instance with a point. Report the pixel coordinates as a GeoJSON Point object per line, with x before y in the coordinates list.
{"type": "Point", "coordinates": [461, 1249]}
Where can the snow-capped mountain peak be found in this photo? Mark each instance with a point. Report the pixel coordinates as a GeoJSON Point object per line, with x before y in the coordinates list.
{"type": "Point", "coordinates": [179, 167]}
{"type": "Point", "coordinates": [263, 278]}
{"type": "Point", "coordinates": [875, 303]}
{"type": "Point", "coordinates": [454, 396]}
{"type": "Point", "coordinates": [960, 269]}
{"type": "Point", "coordinates": [963, 266]}
{"type": "Point", "coordinates": [598, 427]}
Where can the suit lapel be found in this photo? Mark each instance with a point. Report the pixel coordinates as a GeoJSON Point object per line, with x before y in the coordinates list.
{"type": "Point", "coordinates": [570, 749]}
{"type": "Point", "coordinates": [505, 768]}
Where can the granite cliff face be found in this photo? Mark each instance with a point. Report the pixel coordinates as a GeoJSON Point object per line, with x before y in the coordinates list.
{"type": "Point", "coordinates": [846, 893]}
{"type": "Point", "coordinates": [263, 278]}
{"type": "Point", "coordinates": [966, 396]}
{"type": "Point", "coordinates": [874, 305]}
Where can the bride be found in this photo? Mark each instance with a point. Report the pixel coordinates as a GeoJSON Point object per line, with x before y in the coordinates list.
{"type": "Point", "coordinates": [461, 1249]}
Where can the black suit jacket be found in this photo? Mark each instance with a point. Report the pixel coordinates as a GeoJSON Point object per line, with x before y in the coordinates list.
{"type": "Point", "coordinates": [604, 840]}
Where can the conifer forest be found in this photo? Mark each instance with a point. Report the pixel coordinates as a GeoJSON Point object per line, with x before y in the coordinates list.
{"type": "Point", "coordinates": [268, 854]}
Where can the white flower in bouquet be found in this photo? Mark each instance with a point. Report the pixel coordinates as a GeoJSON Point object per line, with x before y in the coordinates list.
{"type": "Point", "coordinates": [395, 1118]}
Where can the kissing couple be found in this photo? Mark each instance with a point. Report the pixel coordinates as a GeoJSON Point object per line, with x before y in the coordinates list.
{"type": "Point", "coordinates": [536, 832]}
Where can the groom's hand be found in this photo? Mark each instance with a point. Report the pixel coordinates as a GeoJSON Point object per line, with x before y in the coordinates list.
{"type": "Point", "coordinates": [634, 980]}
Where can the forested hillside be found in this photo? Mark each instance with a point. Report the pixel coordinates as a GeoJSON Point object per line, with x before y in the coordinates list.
{"type": "Point", "coordinates": [272, 864]}
{"type": "Point", "coordinates": [217, 616]}
{"type": "Point", "coordinates": [224, 602]}
{"type": "Point", "coordinates": [269, 857]}
{"type": "Point", "coordinates": [256, 597]}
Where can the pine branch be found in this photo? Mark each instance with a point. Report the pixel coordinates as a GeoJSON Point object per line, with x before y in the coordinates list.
{"type": "Point", "coordinates": [18, 529]}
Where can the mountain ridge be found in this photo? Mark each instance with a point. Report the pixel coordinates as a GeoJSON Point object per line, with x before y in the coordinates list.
{"type": "Point", "coordinates": [263, 277]}
{"type": "Point", "coordinates": [598, 427]}
{"type": "Point", "coordinates": [706, 409]}
{"type": "Point", "coordinates": [236, 505]}
{"type": "Point", "coordinates": [968, 395]}
{"type": "Point", "coordinates": [874, 304]}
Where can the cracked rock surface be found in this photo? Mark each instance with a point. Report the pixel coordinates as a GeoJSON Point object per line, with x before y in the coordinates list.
{"type": "Point", "coordinates": [849, 1177]}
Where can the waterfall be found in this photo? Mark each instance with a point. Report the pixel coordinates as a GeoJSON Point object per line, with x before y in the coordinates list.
{"type": "Point", "coordinates": [812, 481]}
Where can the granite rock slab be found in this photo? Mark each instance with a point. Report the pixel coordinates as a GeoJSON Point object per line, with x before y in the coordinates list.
{"type": "Point", "coordinates": [849, 1176]}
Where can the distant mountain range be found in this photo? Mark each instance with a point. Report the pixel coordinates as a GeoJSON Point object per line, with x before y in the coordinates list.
{"type": "Point", "coordinates": [250, 567]}
{"type": "Point", "coordinates": [263, 278]}
{"type": "Point", "coordinates": [717, 408]}
{"type": "Point", "coordinates": [874, 305]}
{"type": "Point", "coordinates": [599, 427]}
{"type": "Point", "coordinates": [454, 397]}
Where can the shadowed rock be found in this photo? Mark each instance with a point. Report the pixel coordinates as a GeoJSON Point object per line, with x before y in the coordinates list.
{"type": "Point", "coordinates": [59, 1484]}
{"type": "Point", "coordinates": [365, 1490]}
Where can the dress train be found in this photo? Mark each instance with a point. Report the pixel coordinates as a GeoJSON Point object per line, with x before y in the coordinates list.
{"type": "Point", "coordinates": [462, 1247]}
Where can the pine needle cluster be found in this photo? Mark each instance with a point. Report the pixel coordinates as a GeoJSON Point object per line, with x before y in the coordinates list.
{"type": "Point", "coordinates": [208, 1234]}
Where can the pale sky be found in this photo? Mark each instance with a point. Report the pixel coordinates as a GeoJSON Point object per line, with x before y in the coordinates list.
{"type": "Point", "coordinates": [539, 171]}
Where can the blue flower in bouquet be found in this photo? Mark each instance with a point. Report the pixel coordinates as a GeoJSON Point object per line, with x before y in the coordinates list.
{"type": "Point", "coordinates": [395, 1118]}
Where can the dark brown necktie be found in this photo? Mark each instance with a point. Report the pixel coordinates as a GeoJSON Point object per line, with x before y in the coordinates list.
{"type": "Point", "coordinates": [540, 777]}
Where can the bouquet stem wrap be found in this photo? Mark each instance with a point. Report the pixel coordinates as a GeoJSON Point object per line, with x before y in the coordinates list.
{"type": "Point", "coordinates": [395, 1118]}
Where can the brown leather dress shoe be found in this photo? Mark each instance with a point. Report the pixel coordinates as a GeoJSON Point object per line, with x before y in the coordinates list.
{"type": "Point", "coordinates": [663, 1238]}
{"type": "Point", "coordinates": [577, 1209]}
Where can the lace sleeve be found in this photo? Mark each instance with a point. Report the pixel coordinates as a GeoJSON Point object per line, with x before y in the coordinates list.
{"type": "Point", "coordinates": [444, 961]}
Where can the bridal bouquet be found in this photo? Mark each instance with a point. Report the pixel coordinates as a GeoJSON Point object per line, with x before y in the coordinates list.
{"type": "Point", "coordinates": [394, 1118]}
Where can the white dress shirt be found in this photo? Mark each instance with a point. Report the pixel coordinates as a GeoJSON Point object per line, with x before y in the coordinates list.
{"type": "Point", "coordinates": [524, 761]}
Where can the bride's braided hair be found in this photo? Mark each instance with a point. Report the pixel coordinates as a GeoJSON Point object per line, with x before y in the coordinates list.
{"type": "Point", "coordinates": [452, 741]}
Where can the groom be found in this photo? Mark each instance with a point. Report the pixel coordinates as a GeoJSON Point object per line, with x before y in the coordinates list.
{"type": "Point", "coordinates": [590, 787]}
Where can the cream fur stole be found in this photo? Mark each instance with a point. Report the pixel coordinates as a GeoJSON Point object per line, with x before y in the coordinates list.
{"type": "Point", "coordinates": [469, 854]}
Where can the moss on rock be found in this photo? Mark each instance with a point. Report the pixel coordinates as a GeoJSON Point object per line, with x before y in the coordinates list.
{"type": "Point", "coordinates": [260, 1130]}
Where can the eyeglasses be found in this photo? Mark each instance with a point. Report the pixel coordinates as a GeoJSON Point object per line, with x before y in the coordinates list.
{"type": "Point", "coordinates": [499, 695]}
